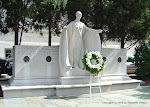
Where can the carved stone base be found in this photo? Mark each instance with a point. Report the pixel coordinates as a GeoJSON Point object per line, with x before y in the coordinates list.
{"type": "Point", "coordinates": [66, 90]}
{"type": "Point", "coordinates": [71, 90]}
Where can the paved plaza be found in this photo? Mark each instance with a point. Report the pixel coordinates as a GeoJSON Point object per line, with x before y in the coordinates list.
{"type": "Point", "coordinates": [139, 97]}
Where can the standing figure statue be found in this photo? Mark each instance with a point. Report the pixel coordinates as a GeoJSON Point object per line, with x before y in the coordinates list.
{"type": "Point", "coordinates": [75, 40]}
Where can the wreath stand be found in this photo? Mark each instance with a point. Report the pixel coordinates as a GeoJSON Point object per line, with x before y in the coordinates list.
{"type": "Point", "coordinates": [91, 78]}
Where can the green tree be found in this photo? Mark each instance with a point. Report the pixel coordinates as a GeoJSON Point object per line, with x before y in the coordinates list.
{"type": "Point", "coordinates": [85, 6]}
{"type": "Point", "coordinates": [3, 27]}
{"type": "Point", "coordinates": [17, 11]}
{"type": "Point", "coordinates": [99, 16]}
{"type": "Point", "coordinates": [121, 20]}
{"type": "Point", "coordinates": [93, 12]}
{"type": "Point", "coordinates": [47, 13]}
{"type": "Point", "coordinates": [127, 20]}
{"type": "Point", "coordinates": [142, 60]}
{"type": "Point", "coordinates": [0, 3]}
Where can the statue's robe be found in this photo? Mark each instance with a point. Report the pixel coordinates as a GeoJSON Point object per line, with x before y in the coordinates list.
{"type": "Point", "coordinates": [89, 38]}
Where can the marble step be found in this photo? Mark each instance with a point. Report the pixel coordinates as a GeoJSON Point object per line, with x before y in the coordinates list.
{"type": "Point", "coordinates": [86, 79]}
{"type": "Point", "coordinates": [66, 90]}
{"type": "Point", "coordinates": [78, 89]}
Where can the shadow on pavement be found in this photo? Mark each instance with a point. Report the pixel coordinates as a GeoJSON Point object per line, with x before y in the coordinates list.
{"type": "Point", "coordinates": [144, 92]}
{"type": "Point", "coordinates": [65, 97]}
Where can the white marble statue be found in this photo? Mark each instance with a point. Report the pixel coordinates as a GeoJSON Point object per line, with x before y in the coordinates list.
{"type": "Point", "coordinates": [75, 40]}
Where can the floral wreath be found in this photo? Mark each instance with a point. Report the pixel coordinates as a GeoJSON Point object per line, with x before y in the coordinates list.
{"type": "Point", "coordinates": [89, 66]}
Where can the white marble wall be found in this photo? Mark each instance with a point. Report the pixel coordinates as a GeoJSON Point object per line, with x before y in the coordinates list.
{"type": "Point", "coordinates": [40, 72]}
{"type": "Point", "coordinates": [37, 71]}
{"type": "Point", "coordinates": [113, 70]}
{"type": "Point", "coordinates": [112, 66]}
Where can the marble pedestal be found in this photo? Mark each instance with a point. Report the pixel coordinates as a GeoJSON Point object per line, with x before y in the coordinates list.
{"type": "Point", "coordinates": [114, 69]}
{"type": "Point", "coordinates": [66, 90]}
{"type": "Point", "coordinates": [41, 77]}
{"type": "Point", "coordinates": [113, 77]}
{"type": "Point", "coordinates": [35, 65]}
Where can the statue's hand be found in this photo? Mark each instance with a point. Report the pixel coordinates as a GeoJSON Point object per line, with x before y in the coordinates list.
{"type": "Point", "coordinates": [100, 30]}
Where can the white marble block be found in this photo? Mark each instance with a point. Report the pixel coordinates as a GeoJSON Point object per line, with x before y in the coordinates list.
{"type": "Point", "coordinates": [37, 77]}
{"type": "Point", "coordinates": [112, 66]}
{"type": "Point", "coordinates": [113, 69]}
{"type": "Point", "coordinates": [36, 71]}
{"type": "Point", "coordinates": [31, 67]}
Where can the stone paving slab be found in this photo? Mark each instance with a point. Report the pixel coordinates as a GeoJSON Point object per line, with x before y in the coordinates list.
{"type": "Point", "coordinates": [123, 98]}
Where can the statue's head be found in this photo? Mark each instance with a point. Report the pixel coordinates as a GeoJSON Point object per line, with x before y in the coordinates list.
{"type": "Point", "coordinates": [78, 15]}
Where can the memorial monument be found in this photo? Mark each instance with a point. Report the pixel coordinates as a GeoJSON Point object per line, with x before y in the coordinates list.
{"type": "Point", "coordinates": [58, 70]}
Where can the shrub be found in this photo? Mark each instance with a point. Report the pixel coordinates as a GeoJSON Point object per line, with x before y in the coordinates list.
{"type": "Point", "coordinates": [142, 60]}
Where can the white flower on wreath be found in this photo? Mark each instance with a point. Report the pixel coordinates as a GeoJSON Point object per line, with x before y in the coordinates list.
{"type": "Point", "coordinates": [99, 59]}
